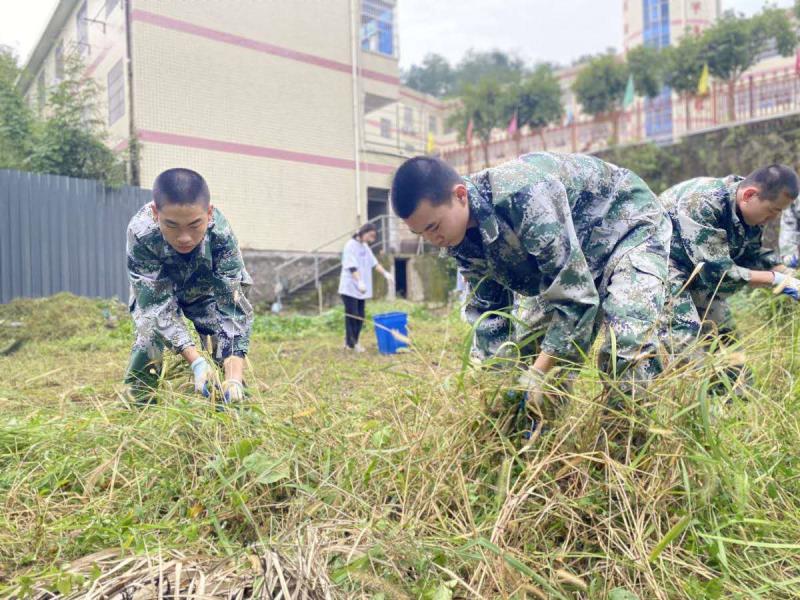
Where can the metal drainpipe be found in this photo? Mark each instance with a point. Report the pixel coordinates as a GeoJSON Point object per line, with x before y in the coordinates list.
{"type": "Point", "coordinates": [133, 141]}
{"type": "Point", "coordinates": [356, 112]}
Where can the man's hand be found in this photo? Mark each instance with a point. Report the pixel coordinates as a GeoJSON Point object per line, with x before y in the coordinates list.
{"type": "Point", "coordinates": [201, 371]}
{"type": "Point", "coordinates": [388, 276]}
{"type": "Point", "coordinates": [361, 287]}
{"type": "Point", "coordinates": [534, 382]}
{"type": "Point", "coordinates": [786, 284]}
{"type": "Point", "coordinates": [233, 390]}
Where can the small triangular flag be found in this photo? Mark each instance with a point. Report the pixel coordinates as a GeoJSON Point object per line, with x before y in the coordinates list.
{"type": "Point", "coordinates": [512, 125]}
{"type": "Point", "coordinates": [630, 93]}
{"type": "Point", "coordinates": [702, 85]}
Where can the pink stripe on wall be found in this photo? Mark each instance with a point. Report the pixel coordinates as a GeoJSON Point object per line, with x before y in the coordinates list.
{"type": "Point", "coordinates": [100, 58]}
{"type": "Point", "coordinates": [673, 22]}
{"type": "Point", "coordinates": [151, 18]}
{"type": "Point", "coordinates": [436, 105]}
{"type": "Point", "coordinates": [103, 53]}
{"type": "Point", "coordinates": [188, 141]}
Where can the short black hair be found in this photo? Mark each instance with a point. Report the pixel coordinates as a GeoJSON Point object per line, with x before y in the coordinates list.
{"type": "Point", "coordinates": [180, 186]}
{"type": "Point", "coordinates": [365, 229]}
{"type": "Point", "coordinates": [773, 181]}
{"type": "Point", "coordinates": [422, 178]}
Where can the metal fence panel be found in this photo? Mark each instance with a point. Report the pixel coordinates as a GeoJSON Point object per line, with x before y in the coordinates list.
{"type": "Point", "coordinates": [63, 234]}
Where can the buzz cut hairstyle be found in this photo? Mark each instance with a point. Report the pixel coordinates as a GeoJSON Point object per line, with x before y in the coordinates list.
{"type": "Point", "coordinates": [422, 178]}
{"type": "Point", "coordinates": [773, 181]}
{"type": "Point", "coordinates": [180, 186]}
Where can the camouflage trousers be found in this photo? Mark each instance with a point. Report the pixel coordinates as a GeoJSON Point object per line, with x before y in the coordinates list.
{"type": "Point", "coordinates": [144, 366]}
{"type": "Point", "coordinates": [631, 304]}
{"type": "Point", "coordinates": [693, 312]}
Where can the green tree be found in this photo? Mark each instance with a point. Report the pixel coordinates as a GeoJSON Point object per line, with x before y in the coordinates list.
{"type": "Point", "coordinates": [536, 100]}
{"type": "Point", "coordinates": [71, 139]}
{"type": "Point", "coordinates": [683, 64]}
{"type": "Point", "coordinates": [16, 120]}
{"type": "Point", "coordinates": [600, 89]}
{"type": "Point", "coordinates": [475, 66]}
{"type": "Point", "coordinates": [434, 76]}
{"type": "Point", "coordinates": [646, 64]}
{"type": "Point", "coordinates": [733, 44]}
{"type": "Point", "coordinates": [485, 104]}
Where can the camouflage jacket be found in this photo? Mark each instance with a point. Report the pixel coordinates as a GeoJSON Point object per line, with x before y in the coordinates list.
{"type": "Point", "coordinates": [162, 280]}
{"type": "Point", "coordinates": [790, 229]}
{"type": "Point", "coordinates": [553, 226]}
{"type": "Point", "coordinates": [707, 227]}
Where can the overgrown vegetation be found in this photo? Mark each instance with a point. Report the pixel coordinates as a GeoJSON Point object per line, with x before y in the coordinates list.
{"type": "Point", "coordinates": [390, 472]}
{"type": "Point", "coordinates": [66, 136]}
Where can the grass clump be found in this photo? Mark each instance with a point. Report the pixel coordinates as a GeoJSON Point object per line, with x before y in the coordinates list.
{"type": "Point", "coordinates": [389, 474]}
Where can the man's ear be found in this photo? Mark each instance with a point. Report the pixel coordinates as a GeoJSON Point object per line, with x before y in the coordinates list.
{"type": "Point", "coordinates": [210, 210]}
{"type": "Point", "coordinates": [154, 208]}
{"type": "Point", "coordinates": [460, 190]}
{"type": "Point", "coordinates": [749, 192]}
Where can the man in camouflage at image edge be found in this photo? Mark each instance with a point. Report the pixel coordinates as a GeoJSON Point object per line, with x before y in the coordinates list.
{"type": "Point", "coordinates": [582, 242]}
{"type": "Point", "coordinates": [708, 229]}
{"type": "Point", "coordinates": [789, 240]}
{"type": "Point", "coordinates": [207, 286]}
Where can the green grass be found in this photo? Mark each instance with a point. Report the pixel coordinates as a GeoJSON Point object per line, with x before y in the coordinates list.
{"type": "Point", "coordinates": [396, 468]}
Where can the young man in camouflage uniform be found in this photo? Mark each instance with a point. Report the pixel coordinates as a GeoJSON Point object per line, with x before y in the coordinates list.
{"type": "Point", "coordinates": [789, 241]}
{"type": "Point", "coordinates": [716, 247]}
{"type": "Point", "coordinates": [183, 260]}
{"type": "Point", "coordinates": [585, 240]}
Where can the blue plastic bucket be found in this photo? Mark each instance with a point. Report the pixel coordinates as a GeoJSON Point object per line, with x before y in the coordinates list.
{"type": "Point", "coordinates": [386, 324]}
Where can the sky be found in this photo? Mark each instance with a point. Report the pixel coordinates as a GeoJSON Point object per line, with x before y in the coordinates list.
{"type": "Point", "coordinates": [556, 31]}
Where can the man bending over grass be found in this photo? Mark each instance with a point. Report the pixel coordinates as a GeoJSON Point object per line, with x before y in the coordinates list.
{"type": "Point", "coordinates": [183, 260]}
{"type": "Point", "coordinates": [585, 238]}
{"type": "Point", "coordinates": [716, 247]}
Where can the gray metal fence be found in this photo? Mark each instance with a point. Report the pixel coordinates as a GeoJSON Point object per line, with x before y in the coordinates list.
{"type": "Point", "coordinates": [63, 234]}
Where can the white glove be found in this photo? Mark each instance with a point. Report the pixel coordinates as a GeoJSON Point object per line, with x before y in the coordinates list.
{"type": "Point", "coordinates": [233, 390]}
{"type": "Point", "coordinates": [543, 397]}
{"type": "Point", "coordinates": [388, 277]}
{"type": "Point", "coordinates": [790, 261]}
{"type": "Point", "coordinates": [786, 284]}
{"type": "Point", "coordinates": [201, 371]}
{"type": "Point", "coordinates": [533, 381]}
{"type": "Point", "coordinates": [361, 287]}
{"type": "Point", "coordinates": [475, 362]}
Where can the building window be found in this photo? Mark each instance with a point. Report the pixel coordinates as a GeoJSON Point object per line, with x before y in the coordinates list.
{"type": "Point", "coordinates": [377, 27]}
{"type": "Point", "coordinates": [386, 128]}
{"type": "Point", "coordinates": [656, 34]}
{"type": "Point", "coordinates": [41, 92]}
{"type": "Point", "coordinates": [408, 120]}
{"type": "Point", "coordinates": [59, 60]}
{"type": "Point", "coordinates": [432, 125]}
{"type": "Point", "coordinates": [656, 23]}
{"type": "Point", "coordinates": [110, 6]}
{"type": "Point", "coordinates": [82, 26]}
{"type": "Point", "coordinates": [116, 92]}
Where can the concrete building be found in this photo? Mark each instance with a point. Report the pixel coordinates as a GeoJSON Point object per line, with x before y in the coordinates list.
{"type": "Point", "coordinates": [293, 112]}
{"type": "Point", "coordinates": [659, 23]}
{"type": "Point", "coordinates": [275, 103]}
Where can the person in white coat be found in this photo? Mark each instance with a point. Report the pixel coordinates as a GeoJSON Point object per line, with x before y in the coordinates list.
{"type": "Point", "coordinates": [355, 281]}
